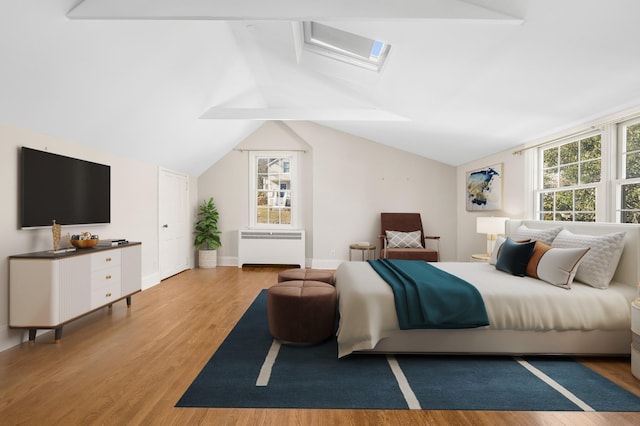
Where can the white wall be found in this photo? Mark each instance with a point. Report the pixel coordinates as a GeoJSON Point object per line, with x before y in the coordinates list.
{"type": "Point", "coordinates": [134, 208]}
{"type": "Point", "coordinates": [469, 241]}
{"type": "Point", "coordinates": [346, 183]}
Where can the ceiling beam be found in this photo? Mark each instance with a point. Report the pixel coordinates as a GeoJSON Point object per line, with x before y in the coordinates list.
{"type": "Point", "coordinates": [299, 10]}
{"type": "Point", "coordinates": [301, 114]}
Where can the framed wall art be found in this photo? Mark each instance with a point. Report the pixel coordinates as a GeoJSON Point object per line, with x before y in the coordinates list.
{"type": "Point", "coordinates": [484, 188]}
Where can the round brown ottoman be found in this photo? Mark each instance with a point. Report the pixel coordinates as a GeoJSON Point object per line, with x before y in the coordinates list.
{"type": "Point", "coordinates": [306, 275]}
{"type": "Point", "coordinates": [301, 312]}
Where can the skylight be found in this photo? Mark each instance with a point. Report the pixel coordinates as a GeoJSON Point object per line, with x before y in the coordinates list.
{"type": "Point", "coordinates": [344, 46]}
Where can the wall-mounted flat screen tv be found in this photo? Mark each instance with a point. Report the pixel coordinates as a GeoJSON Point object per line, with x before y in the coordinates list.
{"type": "Point", "coordinates": [68, 190]}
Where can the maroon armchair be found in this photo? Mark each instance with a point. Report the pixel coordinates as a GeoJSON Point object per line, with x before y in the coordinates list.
{"type": "Point", "coordinates": [403, 237]}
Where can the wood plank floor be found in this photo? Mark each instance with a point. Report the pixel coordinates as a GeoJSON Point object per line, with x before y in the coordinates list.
{"type": "Point", "coordinates": [130, 366]}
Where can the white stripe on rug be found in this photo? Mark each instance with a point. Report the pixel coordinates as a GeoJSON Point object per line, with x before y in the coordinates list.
{"type": "Point", "coordinates": [405, 388]}
{"type": "Point", "coordinates": [267, 365]}
{"type": "Point", "coordinates": [557, 386]}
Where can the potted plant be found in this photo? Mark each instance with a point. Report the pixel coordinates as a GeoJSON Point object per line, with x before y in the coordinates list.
{"type": "Point", "coordinates": [207, 235]}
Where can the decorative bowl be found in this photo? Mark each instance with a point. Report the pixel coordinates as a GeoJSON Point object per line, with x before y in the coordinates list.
{"type": "Point", "coordinates": [85, 243]}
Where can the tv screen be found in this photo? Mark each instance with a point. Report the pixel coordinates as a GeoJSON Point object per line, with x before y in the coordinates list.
{"type": "Point", "coordinates": [67, 190]}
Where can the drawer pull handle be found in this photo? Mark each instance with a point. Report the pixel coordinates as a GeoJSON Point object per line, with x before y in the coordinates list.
{"type": "Point", "coordinates": [108, 259]}
{"type": "Point", "coordinates": [108, 277]}
{"type": "Point", "coordinates": [108, 295]}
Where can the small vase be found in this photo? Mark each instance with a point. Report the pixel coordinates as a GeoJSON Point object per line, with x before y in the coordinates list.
{"type": "Point", "coordinates": [56, 233]}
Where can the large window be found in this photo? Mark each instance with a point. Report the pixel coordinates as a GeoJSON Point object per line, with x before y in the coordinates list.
{"type": "Point", "coordinates": [591, 177]}
{"type": "Point", "coordinates": [570, 174]}
{"type": "Point", "coordinates": [273, 189]}
{"type": "Point", "coordinates": [629, 187]}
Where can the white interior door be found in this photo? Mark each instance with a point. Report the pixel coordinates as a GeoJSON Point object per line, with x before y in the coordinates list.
{"type": "Point", "coordinates": [174, 224]}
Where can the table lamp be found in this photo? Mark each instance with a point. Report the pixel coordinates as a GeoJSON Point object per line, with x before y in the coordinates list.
{"type": "Point", "coordinates": [492, 226]}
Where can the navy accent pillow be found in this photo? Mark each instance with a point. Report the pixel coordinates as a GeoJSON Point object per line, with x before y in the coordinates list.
{"type": "Point", "coordinates": [514, 257]}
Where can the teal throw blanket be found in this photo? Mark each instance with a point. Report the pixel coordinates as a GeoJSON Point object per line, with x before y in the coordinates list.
{"type": "Point", "coordinates": [428, 297]}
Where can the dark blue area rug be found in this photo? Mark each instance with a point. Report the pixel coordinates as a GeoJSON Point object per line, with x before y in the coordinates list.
{"type": "Point", "coordinates": [313, 377]}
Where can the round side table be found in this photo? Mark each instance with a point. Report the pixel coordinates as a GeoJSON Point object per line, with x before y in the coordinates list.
{"type": "Point", "coordinates": [480, 257]}
{"type": "Point", "coordinates": [369, 249]}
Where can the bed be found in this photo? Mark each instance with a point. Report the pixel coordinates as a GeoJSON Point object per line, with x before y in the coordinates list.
{"type": "Point", "coordinates": [527, 316]}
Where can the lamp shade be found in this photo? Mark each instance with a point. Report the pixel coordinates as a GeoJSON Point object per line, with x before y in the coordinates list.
{"type": "Point", "coordinates": [490, 225]}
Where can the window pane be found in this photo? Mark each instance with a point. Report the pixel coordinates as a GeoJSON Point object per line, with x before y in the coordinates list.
{"type": "Point", "coordinates": [564, 200]}
{"type": "Point", "coordinates": [569, 153]}
{"type": "Point", "coordinates": [569, 175]}
{"type": "Point", "coordinates": [633, 137]}
{"type": "Point", "coordinates": [585, 200]}
{"type": "Point", "coordinates": [590, 172]}
{"type": "Point", "coordinates": [585, 217]}
{"type": "Point", "coordinates": [550, 157]}
{"type": "Point", "coordinates": [632, 162]}
{"type": "Point", "coordinates": [546, 216]}
{"type": "Point", "coordinates": [262, 199]}
{"type": "Point", "coordinates": [630, 217]}
{"type": "Point", "coordinates": [263, 214]}
{"type": "Point", "coordinates": [590, 148]}
{"type": "Point", "coordinates": [550, 178]}
{"type": "Point", "coordinates": [263, 165]}
{"type": "Point", "coordinates": [546, 201]}
{"type": "Point", "coordinates": [631, 196]}
{"type": "Point", "coordinates": [567, 217]}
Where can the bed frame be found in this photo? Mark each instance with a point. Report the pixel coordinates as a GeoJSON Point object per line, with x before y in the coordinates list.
{"type": "Point", "coordinates": [510, 342]}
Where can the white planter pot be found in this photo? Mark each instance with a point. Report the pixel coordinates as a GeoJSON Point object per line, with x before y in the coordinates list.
{"type": "Point", "coordinates": [207, 258]}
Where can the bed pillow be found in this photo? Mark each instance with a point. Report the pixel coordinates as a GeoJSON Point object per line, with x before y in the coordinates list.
{"type": "Point", "coordinates": [556, 266]}
{"type": "Point", "coordinates": [498, 246]}
{"type": "Point", "coordinates": [514, 257]}
{"type": "Point", "coordinates": [599, 264]}
{"type": "Point", "coordinates": [544, 235]}
{"type": "Point", "coordinates": [496, 250]}
{"type": "Point", "coordinates": [397, 239]}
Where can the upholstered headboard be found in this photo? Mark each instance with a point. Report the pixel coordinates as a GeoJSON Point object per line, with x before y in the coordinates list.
{"type": "Point", "coordinates": [628, 271]}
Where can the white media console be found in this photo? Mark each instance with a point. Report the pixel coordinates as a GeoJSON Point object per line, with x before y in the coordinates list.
{"type": "Point", "coordinates": [48, 290]}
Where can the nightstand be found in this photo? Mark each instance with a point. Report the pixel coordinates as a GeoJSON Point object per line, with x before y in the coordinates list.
{"type": "Point", "coordinates": [635, 338]}
{"type": "Point", "coordinates": [367, 248]}
{"type": "Point", "coordinates": [480, 257]}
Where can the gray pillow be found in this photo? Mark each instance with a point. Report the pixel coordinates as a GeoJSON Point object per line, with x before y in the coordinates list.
{"type": "Point", "coordinates": [543, 235]}
{"type": "Point", "coordinates": [397, 239]}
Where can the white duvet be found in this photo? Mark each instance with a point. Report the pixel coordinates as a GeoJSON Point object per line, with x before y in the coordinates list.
{"type": "Point", "coordinates": [367, 310]}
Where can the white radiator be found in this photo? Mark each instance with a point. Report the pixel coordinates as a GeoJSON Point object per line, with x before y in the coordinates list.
{"type": "Point", "coordinates": [271, 247]}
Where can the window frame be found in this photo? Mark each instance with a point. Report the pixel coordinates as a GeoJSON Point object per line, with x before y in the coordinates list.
{"type": "Point", "coordinates": [253, 190]}
{"type": "Point", "coordinates": [599, 187]}
{"type": "Point", "coordinates": [609, 189]}
{"type": "Point", "coordinates": [340, 45]}
{"type": "Point", "coordinates": [621, 178]}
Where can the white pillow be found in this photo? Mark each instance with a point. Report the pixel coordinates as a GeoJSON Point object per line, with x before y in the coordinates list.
{"type": "Point", "coordinates": [600, 263]}
{"type": "Point", "coordinates": [557, 266]}
{"type": "Point", "coordinates": [543, 235]}
{"type": "Point", "coordinates": [496, 248]}
{"type": "Point", "coordinates": [397, 239]}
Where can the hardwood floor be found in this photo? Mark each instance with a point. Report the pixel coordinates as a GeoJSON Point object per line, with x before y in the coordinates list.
{"type": "Point", "coordinates": [130, 366]}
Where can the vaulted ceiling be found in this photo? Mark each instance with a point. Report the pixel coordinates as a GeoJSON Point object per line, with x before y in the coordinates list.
{"type": "Point", "coordinates": [179, 83]}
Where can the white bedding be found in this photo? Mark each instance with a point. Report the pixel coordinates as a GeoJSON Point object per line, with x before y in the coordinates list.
{"type": "Point", "coordinates": [512, 303]}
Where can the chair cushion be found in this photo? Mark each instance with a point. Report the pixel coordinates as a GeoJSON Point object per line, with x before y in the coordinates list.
{"type": "Point", "coordinates": [428, 255]}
